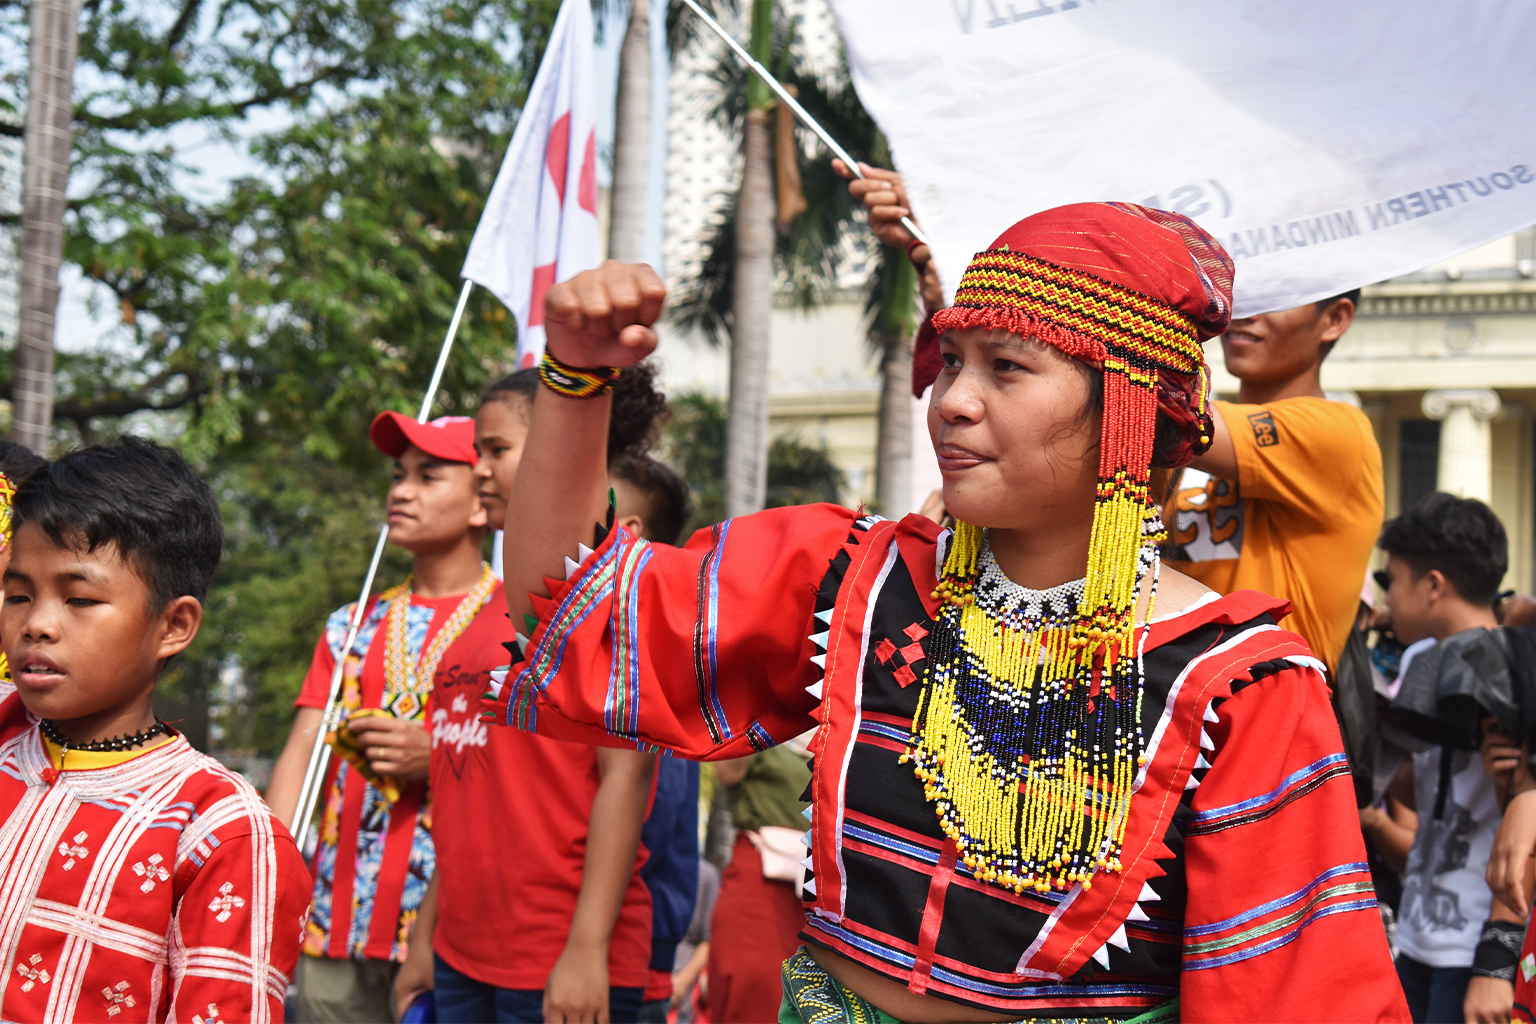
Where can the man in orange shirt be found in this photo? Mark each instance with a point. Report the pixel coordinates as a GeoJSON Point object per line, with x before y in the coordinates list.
{"type": "Point", "coordinates": [1288, 501]}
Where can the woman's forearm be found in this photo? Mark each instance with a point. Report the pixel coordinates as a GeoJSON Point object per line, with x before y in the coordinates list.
{"type": "Point", "coordinates": [559, 493]}
{"type": "Point", "coordinates": [599, 318]}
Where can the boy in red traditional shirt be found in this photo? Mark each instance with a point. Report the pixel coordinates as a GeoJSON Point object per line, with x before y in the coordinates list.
{"type": "Point", "coordinates": [375, 852]}
{"type": "Point", "coordinates": [541, 835]}
{"type": "Point", "coordinates": [139, 879]}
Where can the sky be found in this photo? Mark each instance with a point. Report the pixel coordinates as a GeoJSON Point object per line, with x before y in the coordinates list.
{"type": "Point", "coordinates": [217, 163]}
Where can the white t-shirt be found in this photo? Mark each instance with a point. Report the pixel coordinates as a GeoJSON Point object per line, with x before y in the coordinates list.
{"type": "Point", "coordinates": [1445, 891]}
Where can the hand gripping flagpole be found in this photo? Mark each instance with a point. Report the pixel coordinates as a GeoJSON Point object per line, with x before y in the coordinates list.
{"type": "Point", "coordinates": [320, 753]}
{"type": "Point", "coordinates": [788, 99]}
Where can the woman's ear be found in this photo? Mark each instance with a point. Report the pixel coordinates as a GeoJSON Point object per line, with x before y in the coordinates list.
{"type": "Point", "coordinates": [179, 623]}
{"type": "Point", "coordinates": [634, 525]}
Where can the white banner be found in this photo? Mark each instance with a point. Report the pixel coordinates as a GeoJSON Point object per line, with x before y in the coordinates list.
{"type": "Point", "coordinates": [1328, 145]}
{"type": "Point", "coordinates": [540, 221]}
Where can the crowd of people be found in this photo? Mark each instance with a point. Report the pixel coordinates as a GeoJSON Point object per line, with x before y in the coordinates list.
{"type": "Point", "coordinates": [1124, 730]}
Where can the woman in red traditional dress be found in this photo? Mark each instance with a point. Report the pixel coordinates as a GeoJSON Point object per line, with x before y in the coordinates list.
{"type": "Point", "coordinates": [1051, 778]}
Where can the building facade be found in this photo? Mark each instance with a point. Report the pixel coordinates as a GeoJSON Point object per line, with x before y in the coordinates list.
{"type": "Point", "coordinates": [1443, 361]}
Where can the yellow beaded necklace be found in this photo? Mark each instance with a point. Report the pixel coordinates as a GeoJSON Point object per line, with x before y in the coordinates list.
{"type": "Point", "coordinates": [1027, 740]}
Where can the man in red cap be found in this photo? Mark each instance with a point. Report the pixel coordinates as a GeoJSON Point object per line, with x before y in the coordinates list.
{"type": "Point", "coordinates": [375, 853]}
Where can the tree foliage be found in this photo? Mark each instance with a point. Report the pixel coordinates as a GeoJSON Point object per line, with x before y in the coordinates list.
{"type": "Point", "coordinates": [811, 255]}
{"type": "Point", "coordinates": [798, 472]}
{"type": "Point", "coordinates": [264, 324]}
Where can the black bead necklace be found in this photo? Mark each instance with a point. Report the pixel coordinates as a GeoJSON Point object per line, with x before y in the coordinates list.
{"type": "Point", "coordinates": [50, 729]}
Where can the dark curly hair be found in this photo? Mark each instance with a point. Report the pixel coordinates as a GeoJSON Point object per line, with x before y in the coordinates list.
{"type": "Point", "coordinates": [639, 409]}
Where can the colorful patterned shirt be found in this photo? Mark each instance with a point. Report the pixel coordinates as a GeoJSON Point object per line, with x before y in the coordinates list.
{"type": "Point", "coordinates": [365, 900]}
{"type": "Point", "coordinates": [1243, 889]}
{"type": "Point", "coordinates": [149, 888]}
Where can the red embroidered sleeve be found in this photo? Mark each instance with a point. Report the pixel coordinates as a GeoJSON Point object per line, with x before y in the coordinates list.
{"type": "Point", "coordinates": [703, 650]}
{"type": "Point", "coordinates": [1282, 922]}
{"type": "Point", "coordinates": [235, 935]}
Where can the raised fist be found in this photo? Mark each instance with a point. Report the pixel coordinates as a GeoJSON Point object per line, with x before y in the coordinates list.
{"type": "Point", "coordinates": [603, 317]}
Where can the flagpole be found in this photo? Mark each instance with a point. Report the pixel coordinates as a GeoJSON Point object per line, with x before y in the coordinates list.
{"type": "Point", "coordinates": [788, 99]}
{"type": "Point", "coordinates": [320, 753]}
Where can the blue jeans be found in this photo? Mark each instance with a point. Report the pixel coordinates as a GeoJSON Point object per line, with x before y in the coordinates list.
{"type": "Point", "coordinates": [1434, 994]}
{"type": "Point", "coordinates": [463, 1000]}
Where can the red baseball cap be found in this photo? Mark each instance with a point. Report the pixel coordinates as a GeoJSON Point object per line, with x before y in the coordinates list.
{"type": "Point", "coordinates": [451, 438]}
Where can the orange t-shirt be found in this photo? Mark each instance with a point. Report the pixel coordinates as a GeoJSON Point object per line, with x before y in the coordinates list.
{"type": "Point", "coordinates": [1299, 522]}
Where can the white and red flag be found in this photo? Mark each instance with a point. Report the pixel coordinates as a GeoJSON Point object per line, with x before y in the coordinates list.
{"type": "Point", "coordinates": [540, 222]}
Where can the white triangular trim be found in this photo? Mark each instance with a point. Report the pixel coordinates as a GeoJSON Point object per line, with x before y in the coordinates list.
{"type": "Point", "coordinates": [1206, 743]}
{"type": "Point", "coordinates": [583, 552]}
{"type": "Point", "coordinates": [810, 886]}
{"type": "Point", "coordinates": [1147, 895]}
{"type": "Point", "coordinates": [820, 660]}
{"type": "Point", "coordinates": [806, 814]}
{"type": "Point", "coordinates": [1210, 714]}
{"type": "Point", "coordinates": [1137, 914]}
{"type": "Point", "coordinates": [805, 841]}
{"type": "Point", "coordinates": [1102, 956]}
{"type": "Point", "coordinates": [522, 641]}
{"type": "Point", "coordinates": [825, 616]}
{"type": "Point", "coordinates": [1193, 783]}
{"type": "Point", "coordinates": [1119, 939]}
{"type": "Point", "coordinates": [1201, 762]}
{"type": "Point", "coordinates": [571, 565]}
{"type": "Point", "coordinates": [820, 639]}
{"type": "Point", "coordinates": [815, 689]}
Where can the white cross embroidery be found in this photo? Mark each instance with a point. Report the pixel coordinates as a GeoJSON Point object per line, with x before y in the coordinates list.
{"type": "Point", "coordinates": [212, 1018]}
{"type": "Point", "coordinates": [75, 852]}
{"type": "Point", "coordinates": [34, 974]}
{"type": "Point", "coordinates": [117, 998]}
{"type": "Point", "coordinates": [151, 871]}
{"type": "Point", "coordinates": [224, 903]}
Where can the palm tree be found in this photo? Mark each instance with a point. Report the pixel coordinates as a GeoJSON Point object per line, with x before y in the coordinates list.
{"type": "Point", "coordinates": [632, 140]}
{"type": "Point", "coordinates": [50, 110]}
{"type": "Point", "coordinates": [746, 435]}
{"type": "Point", "coordinates": [809, 256]}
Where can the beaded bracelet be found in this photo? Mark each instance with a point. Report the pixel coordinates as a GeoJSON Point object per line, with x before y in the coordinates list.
{"type": "Point", "coordinates": [575, 381]}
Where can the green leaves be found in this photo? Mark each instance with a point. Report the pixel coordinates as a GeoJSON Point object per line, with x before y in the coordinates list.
{"type": "Point", "coordinates": [798, 473]}
{"type": "Point", "coordinates": [265, 322]}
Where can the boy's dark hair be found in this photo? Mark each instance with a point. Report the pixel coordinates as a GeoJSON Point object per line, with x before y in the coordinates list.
{"type": "Point", "coordinates": [18, 462]}
{"type": "Point", "coordinates": [668, 502]}
{"type": "Point", "coordinates": [140, 496]}
{"type": "Point", "coordinates": [1459, 536]}
{"type": "Point", "coordinates": [639, 410]}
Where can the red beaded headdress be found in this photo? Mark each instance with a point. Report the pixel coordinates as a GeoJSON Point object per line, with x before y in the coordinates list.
{"type": "Point", "coordinates": [1027, 734]}
{"type": "Point", "coordinates": [1134, 291]}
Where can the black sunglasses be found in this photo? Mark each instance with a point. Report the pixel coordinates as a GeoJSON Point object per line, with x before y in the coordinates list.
{"type": "Point", "coordinates": [1383, 579]}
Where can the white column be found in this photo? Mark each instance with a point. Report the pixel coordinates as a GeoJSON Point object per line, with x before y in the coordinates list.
{"type": "Point", "coordinates": [1466, 443]}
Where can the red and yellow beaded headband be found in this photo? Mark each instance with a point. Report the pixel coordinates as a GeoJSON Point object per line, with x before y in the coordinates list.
{"type": "Point", "coordinates": [1134, 337]}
